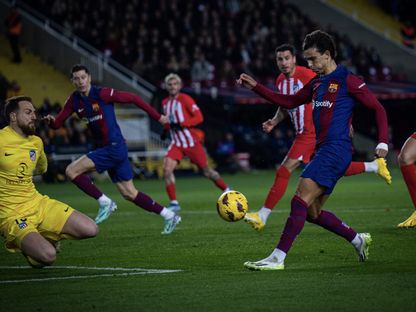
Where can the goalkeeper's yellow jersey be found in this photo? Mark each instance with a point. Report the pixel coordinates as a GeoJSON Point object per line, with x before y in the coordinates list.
{"type": "Point", "coordinates": [20, 158]}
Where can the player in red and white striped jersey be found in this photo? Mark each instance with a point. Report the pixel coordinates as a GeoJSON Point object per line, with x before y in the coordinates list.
{"type": "Point", "coordinates": [291, 79]}
{"type": "Point", "coordinates": [187, 140]}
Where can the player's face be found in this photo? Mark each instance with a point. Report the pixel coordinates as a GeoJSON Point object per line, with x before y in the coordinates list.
{"type": "Point", "coordinates": [173, 86]}
{"type": "Point", "coordinates": [317, 62]}
{"type": "Point", "coordinates": [286, 62]}
{"type": "Point", "coordinates": [26, 117]}
{"type": "Point", "coordinates": [82, 81]}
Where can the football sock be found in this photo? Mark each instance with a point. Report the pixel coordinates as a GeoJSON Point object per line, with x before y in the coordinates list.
{"type": "Point", "coordinates": [264, 213]}
{"type": "Point", "coordinates": [330, 222]}
{"type": "Point", "coordinates": [103, 199]}
{"type": "Point", "coordinates": [147, 203]}
{"type": "Point", "coordinates": [279, 255]}
{"type": "Point", "coordinates": [409, 176]}
{"type": "Point", "coordinates": [356, 241]}
{"type": "Point", "coordinates": [355, 168]}
{"type": "Point", "coordinates": [221, 184]}
{"type": "Point", "coordinates": [84, 182]}
{"type": "Point", "coordinates": [371, 166]}
{"type": "Point", "coordinates": [278, 188]}
{"type": "Point", "coordinates": [167, 214]}
{"type": "Point", "coordinates": [294, 224]}
{"type": "Point", "coordinates": [171, 190]}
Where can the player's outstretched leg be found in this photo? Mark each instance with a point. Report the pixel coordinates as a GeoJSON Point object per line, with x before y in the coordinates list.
{"type": "Point", "coordinates": [258, 220]}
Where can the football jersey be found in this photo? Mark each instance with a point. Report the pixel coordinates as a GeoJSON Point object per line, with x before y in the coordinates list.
{"type": "Point", "coordinates": [19, 158]}
{"type": "Point", "coordinates": [333, 99]}
{"type": "Point", "coordinates": [182, 109]}
{"type": "Point", "coordinates": [301, 116]}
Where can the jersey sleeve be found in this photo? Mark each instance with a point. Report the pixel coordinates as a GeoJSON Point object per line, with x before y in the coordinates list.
{"type": "Point", "coordinates": [42, 164]}
{"type": "Point", "coordinates": [287, 101]}
{"type": "Point", "coordinates": [63, 115]}
{"type": "Point", "coordinates": [112, 95]}
{"type": "Point", "coordinates": [195, 115]}
{"type": "Point", "coordinates": [359, 90]}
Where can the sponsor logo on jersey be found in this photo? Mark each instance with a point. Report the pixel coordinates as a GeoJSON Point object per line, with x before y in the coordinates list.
{"type": "Point", "coordinates": [32, 155]}
{"type": "Point", "coordinates": [333, 87]}
{"type": "Point", "coordinates": [296, 88]}
{"type": "Point", "coordinates": [95, 106]}
{"type": "Point", "coordinates": [92, 119]}
{"type": "Point", "coordinates": [327, 104]}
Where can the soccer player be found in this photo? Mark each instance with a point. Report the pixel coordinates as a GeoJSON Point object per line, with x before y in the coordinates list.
{"type": "Point", "coordinates": [184, 115]}
{"type": "Point", "coordinates": [333, 94]}
{"type": "Point", "coordinates": [290, 81]}
{"type": "Point", "coordinates": [407, 159]}
{"type": "Point", "coordinates": [30, 222]}
{"type": "Point", "coordinates": [95, 105]}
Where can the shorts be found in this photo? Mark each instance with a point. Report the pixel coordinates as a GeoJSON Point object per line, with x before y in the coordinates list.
{"type": "Point", "coordinates": [329, 164]}
{"type": "Point", "coordinates": [43, 215]}
{"type": "Point", "coordinates": [114, 159]}
{"type": "Point", "coordinates": [302, 148]}
{"type": "Point", "coordinates": [196, 154]}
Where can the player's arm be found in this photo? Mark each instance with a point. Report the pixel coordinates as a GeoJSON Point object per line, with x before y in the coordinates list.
{"type": "Point", "coordinates": [58, 121]}
{"type": "Point", "coordinates": [195, 114]}
{"type": "Point", "coordinates": [286, 101]}
{"type": "Point", "coordinates": [111, 95]}
{"type": "Point", "coordinates": [359, 90]}
{"type": "Point", "coordinates": [42, 164]}
{"type": "Point", "coordinates": [269, 124]}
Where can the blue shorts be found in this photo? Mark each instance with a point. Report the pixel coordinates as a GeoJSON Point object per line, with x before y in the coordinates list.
{"type": "Point", "coordinates": [329, 164]}
{"type": "Point", "coordinates": [113, 158]}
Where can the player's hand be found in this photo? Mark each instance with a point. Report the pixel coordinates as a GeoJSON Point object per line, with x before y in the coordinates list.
{"type": "Point", "coordinates": [163, 120]}
{"type": "Point", "coordinates": [175, 126]}
{"type": "Point", "coordinates": [48, 119]}
{"type": "Point", "coordinates": [381, 150]}
{"type": "Point", "coordinates": [268, 125]}
{"type": "Point", "coordinates": [351, 131]}
{"type": "Point", "coordinates": [247, 81]}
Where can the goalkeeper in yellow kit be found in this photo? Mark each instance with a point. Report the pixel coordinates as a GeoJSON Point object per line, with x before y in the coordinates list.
{"type": "Point", "coordinates": [29, 221]}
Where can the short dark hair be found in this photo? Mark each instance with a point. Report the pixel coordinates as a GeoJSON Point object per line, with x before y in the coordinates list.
{"type": "Point", "coordinates": [286, 47]}
{"type": "Point", "coordinates": [78, 67]}
{"type": "Point", "coordinates": [12, 105]}
{"type": "Point", "coordinates": [320, 40]}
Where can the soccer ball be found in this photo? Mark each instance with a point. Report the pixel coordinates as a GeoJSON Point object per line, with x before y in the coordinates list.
{"type": "Point", "coordinates": [232, 206]}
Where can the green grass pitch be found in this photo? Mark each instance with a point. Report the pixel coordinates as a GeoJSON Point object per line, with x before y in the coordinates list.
{"type": "Point", "coordinates": [322, 270]}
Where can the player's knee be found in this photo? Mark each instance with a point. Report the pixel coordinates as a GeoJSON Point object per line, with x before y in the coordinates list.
{"type": "Point", "coordinates": [48, 255]}
{"type": "Point", "coordinates": [70, 173]}
{"type": "Point", "coordinates": [404, 159]}
{"type": "Point", "coordinates": [91, 230]}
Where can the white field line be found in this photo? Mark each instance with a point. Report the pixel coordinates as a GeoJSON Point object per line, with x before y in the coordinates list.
{"type": "Point", "coordinates": [130, 271]}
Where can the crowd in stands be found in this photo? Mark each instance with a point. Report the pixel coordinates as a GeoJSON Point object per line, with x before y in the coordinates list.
{"type": "Point", "coordinates": [203, 41]}
{"type": "Point", "coordinates": [402, 11]}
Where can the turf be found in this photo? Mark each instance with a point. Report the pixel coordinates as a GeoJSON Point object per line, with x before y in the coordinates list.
{"type": "Point", "coordinates": [322, 271]}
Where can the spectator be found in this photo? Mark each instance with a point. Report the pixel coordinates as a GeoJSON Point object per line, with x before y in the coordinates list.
{"type": "Point", "coordinates": [13, 24]}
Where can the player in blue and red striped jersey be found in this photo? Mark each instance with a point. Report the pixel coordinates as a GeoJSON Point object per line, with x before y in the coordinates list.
{"type": "Point", "coordinates": [291, 79]}
{"type": "Point", "coordinates": [95, 105]}
{"type": "Point", "coordinates": [333, 93]}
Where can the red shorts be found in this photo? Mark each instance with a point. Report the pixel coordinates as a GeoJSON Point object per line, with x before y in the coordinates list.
{"type": "Point", "coordinates": [196, 154]}
{"type": "Point", "coordinates": [302, 148]}
{"type": "Point", "coordinates": [413, 136]}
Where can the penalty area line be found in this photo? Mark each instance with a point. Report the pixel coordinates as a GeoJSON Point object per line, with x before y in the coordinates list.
{"type": "Point", "coordinates": [131, 272]}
